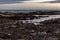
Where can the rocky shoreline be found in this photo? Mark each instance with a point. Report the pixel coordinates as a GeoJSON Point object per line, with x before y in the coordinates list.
{"type": "Point", "coordinates": [13, 29]}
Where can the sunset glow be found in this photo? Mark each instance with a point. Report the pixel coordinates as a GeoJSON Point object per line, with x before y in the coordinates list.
{"type": "Point", "coordinates": [28, 4]}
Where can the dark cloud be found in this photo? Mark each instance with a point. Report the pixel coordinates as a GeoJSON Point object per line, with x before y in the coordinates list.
{"type": "Point", "coordinates": [56, 1]}
{"type": "Point", "coordinates": [11, 1]}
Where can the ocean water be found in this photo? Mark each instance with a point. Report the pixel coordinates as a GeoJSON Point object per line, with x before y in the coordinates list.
{"type": "Point", "coordinates": [18, 11]}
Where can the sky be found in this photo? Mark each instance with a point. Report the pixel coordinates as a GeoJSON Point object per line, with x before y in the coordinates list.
{"type": "Point", "coordinates": [30, 4]}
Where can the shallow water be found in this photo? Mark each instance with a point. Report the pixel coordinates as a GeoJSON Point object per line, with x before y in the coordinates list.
{"type": "Point", "coordinates": [37, 21]}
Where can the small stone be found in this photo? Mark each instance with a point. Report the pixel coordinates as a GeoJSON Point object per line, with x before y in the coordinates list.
{"type": "Point", "coordinates": [32, 30]}
{"type": "Point", "coordinates": [33, 33]}
{"type": "Point", "coordinates": [14, 26]}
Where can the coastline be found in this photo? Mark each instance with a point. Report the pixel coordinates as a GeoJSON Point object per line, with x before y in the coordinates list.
{"type": "Point", "coordinates": [16, 26]}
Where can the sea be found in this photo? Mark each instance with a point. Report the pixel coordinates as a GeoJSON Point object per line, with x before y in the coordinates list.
{"type": "Point", "coordinates": [24, 11]}
{"type": "Point", "coordinates": [18, 11]}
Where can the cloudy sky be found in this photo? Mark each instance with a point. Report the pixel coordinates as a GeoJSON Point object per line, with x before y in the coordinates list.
{"type": "Point", "coordinates": [30, 4]}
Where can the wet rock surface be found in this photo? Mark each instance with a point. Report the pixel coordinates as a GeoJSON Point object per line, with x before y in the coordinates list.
{"type": "Point", "coordinates": [14, 30]}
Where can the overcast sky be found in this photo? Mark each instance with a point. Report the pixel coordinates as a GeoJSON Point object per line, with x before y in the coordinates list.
{"type": "Point", "coordinates": [29, 4]}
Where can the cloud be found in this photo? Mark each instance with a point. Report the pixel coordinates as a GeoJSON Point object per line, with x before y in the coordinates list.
{"type": "Point", "coordinates": [22, 1]}
{"type": "Point", "coordinates": [55, 1]}
{"type": "Point", "coordinates": [11, 1]}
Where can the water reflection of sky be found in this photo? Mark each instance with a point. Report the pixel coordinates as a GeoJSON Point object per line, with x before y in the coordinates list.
{"type": "Point", "coordinates": [37, 21]}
